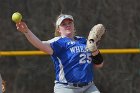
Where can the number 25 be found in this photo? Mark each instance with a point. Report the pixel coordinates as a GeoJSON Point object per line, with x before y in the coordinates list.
{"type": "Point", "coordinates": [85, 58]}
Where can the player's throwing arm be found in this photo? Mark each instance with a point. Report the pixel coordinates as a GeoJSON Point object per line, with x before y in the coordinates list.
{"type": "Point", "coordinates": [22, 27]}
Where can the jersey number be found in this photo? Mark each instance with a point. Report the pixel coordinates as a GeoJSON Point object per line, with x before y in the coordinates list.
{"type": "Point", "coordinates": [85, 58]}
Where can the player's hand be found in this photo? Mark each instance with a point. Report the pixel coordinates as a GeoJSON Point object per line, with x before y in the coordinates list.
{"type": "Point", "coordinates": [91, 46]}
{"type": "Point", "coordinates": [22, 27]}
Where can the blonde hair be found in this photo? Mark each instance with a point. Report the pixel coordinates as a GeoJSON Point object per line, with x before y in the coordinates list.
{"type": "Point", "coordinates": [56, 33]}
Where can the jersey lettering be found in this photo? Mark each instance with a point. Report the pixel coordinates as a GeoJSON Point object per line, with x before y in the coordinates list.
{"type": "Point", "coordinates": [77, 49]}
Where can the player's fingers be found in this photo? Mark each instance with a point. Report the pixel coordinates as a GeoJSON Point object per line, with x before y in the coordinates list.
{"type": "Point", "coordinates": [21, 26]}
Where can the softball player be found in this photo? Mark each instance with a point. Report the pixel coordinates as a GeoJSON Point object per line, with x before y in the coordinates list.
{"type": "Point", "coordinates": [74, 63]}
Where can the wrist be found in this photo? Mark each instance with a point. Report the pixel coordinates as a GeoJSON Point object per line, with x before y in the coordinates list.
{"type": "Point", "coordinates": [96, 52]}
{"type": "Point", "coordinates": [26, 31]}
{"type": "Point", "coordinates": [98, 58]}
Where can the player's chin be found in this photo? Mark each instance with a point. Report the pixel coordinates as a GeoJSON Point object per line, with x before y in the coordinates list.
{"type": "Point", "coordinates": [69, 33]}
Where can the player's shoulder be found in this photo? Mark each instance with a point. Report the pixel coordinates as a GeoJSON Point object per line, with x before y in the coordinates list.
{"type": "Point", "coordinates": [52, 40]}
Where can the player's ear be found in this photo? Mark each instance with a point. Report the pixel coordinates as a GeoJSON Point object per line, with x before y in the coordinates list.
{"type": "Point", "coordinates": [58, 29]}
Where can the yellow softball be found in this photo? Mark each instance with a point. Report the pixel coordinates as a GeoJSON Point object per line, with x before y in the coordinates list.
{"type": "Point", "coordinates": [16, 17]}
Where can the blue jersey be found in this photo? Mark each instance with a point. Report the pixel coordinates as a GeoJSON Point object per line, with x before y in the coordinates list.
{"type": "Point", "coordinates": [73, 64]}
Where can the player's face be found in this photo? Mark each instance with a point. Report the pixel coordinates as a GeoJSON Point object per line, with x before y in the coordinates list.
{"type": "Point", "coordinates": [66, 28]}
